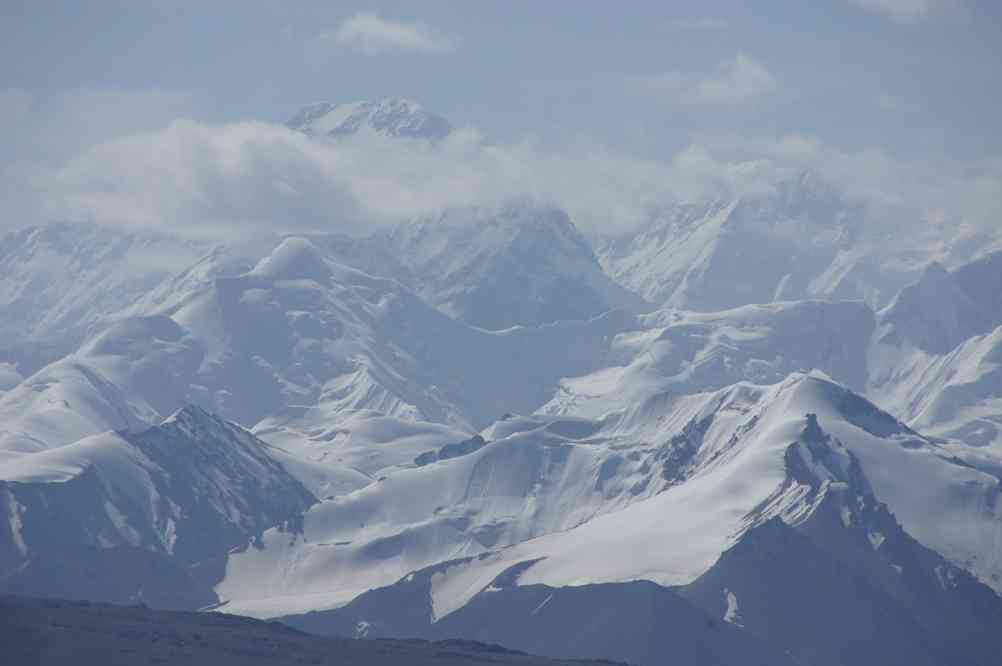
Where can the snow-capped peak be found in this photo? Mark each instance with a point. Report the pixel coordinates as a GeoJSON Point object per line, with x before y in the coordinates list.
{"type": "Point", "coordinates": [295, 258]}
{"type": "Point", "coordinates": [192, 420]}
{"type": "Point", "coordinates": [935, 314]}
{"type": "Point", "coordinates": [394, 116]}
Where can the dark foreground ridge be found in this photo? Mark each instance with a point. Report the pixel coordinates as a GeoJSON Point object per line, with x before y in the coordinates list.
{"type": "Point", "coordinates": [45, 631]}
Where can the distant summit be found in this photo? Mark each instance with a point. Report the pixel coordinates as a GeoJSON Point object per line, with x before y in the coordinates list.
{"type": "Point", "coordinates": [395, 117]}
{"type": "Point", "coordinates": [520, 263]}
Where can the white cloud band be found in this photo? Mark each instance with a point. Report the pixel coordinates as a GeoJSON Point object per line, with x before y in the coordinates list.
{"type": "Point", "coordinates": [369, 34]}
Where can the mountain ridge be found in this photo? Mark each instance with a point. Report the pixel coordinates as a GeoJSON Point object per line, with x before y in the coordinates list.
{"type": "Point", "coordinates": [393, 117]}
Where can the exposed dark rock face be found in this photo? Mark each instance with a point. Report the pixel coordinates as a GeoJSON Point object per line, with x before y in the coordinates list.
{"type": "Point", "coordinates": [455, 450]}
{"type": "Point", "coordinates": [50, 632]}
{"type": "Point", "coordinates": [150, 518]}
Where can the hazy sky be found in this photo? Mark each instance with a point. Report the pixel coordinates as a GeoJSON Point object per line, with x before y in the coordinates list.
{"type": "Point", "coordinates": [910, 86]}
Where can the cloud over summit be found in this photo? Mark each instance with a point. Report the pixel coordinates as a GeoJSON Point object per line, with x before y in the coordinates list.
{"type": "Point", "coordinates": [252, 177]}
{"type": "Point", "coordinates": [370, 34]}
{"type": "Point", "coordinates": [740, 80]}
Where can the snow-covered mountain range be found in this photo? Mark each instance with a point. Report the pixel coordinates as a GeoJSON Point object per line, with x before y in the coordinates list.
{"type": "Point", "coordinates": [520, 264]}
{"type": "Point", "coordinates": [804, 238]}
{"type": "Point", "coordinates": [749, 432]}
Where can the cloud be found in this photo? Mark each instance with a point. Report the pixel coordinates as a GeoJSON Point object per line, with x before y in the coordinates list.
{"type": "Point", "coordinates": [369, 34]}
{"type": "Point", "coordinates": [192, 178]}
{"type": "Point", "coordinates": [900, 194]}
{"type": "Point", "coordinates": [246, 178]}
{"type": "Point", "coordinates": [48, 130]}
{"type": "Point", "coordinates": [734, 82]}
{"type": "Point", "coordinates": [202, 179]}
{"type": "Point", "coordinates": [910, 10]}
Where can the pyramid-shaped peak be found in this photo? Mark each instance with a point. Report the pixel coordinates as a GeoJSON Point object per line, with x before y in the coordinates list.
{"type": "Point", "coordinates": [191, 415]}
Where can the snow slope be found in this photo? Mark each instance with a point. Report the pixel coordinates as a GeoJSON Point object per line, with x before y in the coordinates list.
{"type": "Point", "coordinates": [815, 566]}
{"type": "Point", "coordinates": [802, 239]}
{"type": "Point", "coordinates": [678, 353]}
{"type": "Point", "coordinates": [61, 404]}
{"type": "Point", "coordinates": [936, 352]}
{"type": "Point", "coordinates": [332, 338]}
{"type": "Point", "coordinates": [59, 280]}
{"type": "Point", "coordinates": [318, 356]}
{"type": "Point", "coordinates": [728, 253]}
{"type": "Point", "coordinates": [577, 496]}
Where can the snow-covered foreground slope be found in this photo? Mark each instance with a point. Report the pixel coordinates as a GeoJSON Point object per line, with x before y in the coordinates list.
{"type": "Point", "coordinates": [751, 426]}
{"type": "Point", "coordinates": [677, 352]}
{"type": "Point", "coordinates": [776, 531]}
{"type": "Point", "coordinates": [594, 507]}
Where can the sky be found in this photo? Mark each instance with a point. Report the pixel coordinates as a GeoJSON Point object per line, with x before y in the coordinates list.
{"type": "Point", "coordinates": [169, 113]}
